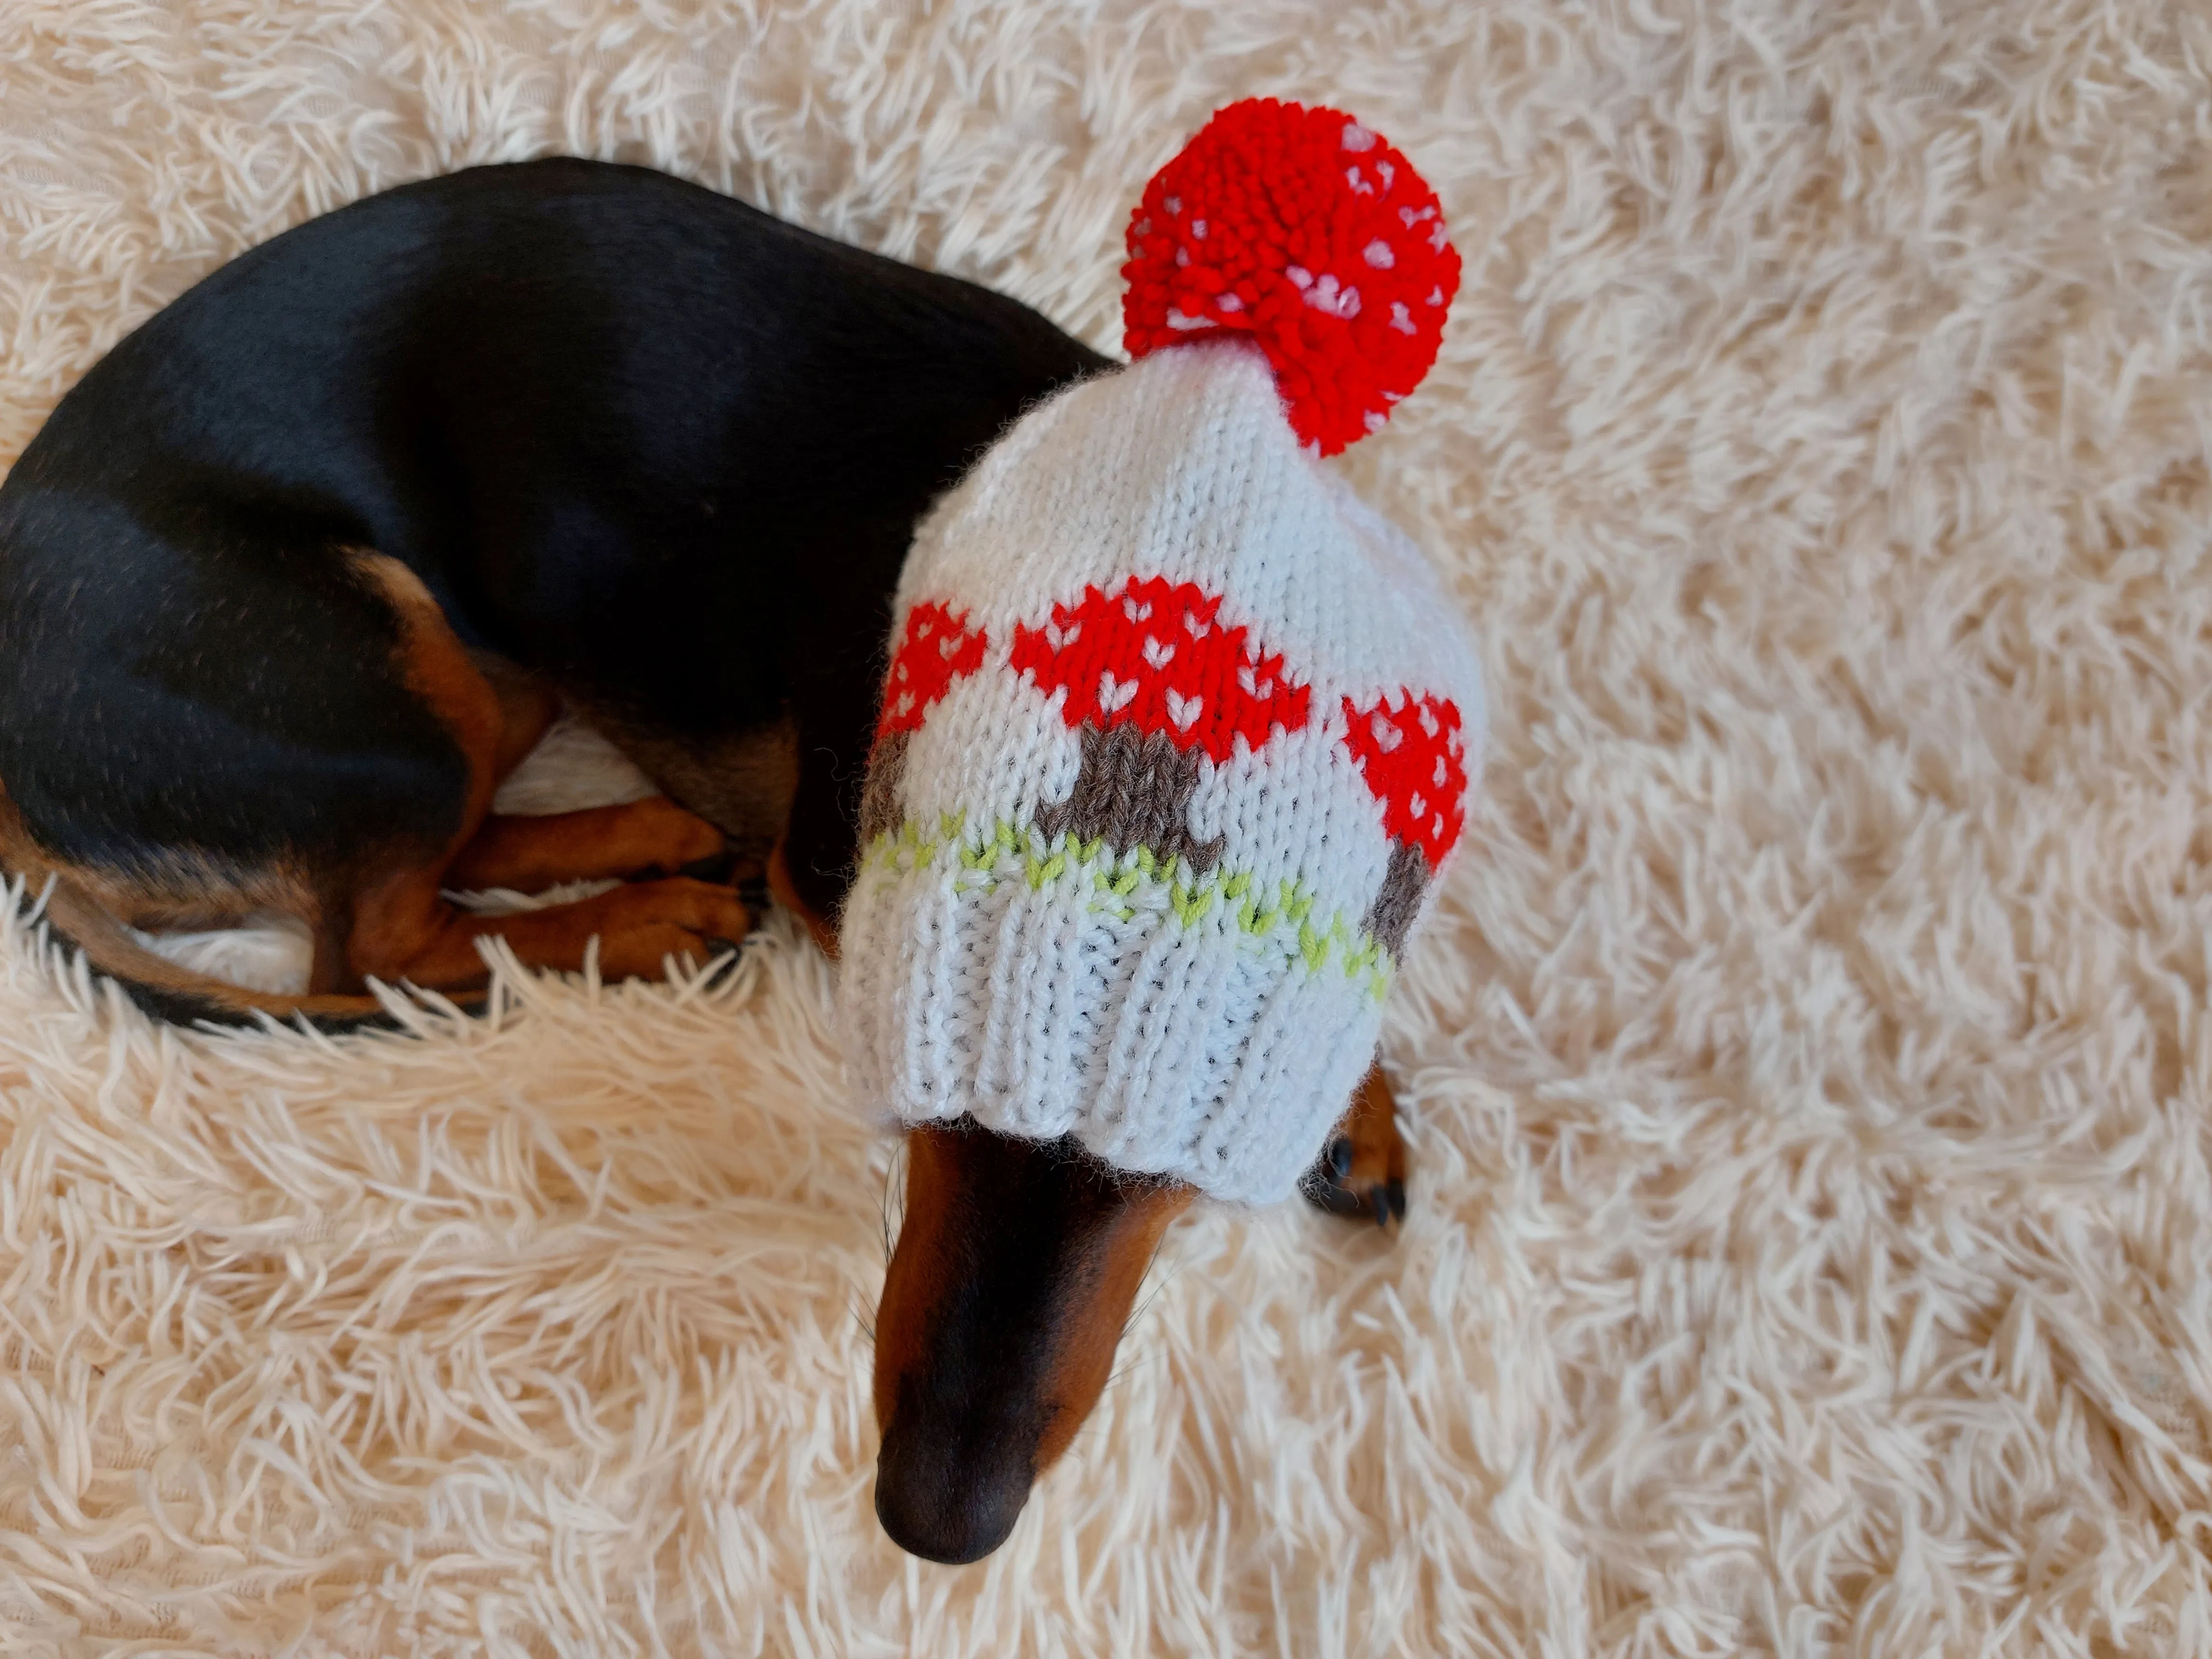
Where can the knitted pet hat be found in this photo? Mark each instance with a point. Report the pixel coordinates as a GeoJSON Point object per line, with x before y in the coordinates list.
{"type": "Point", "coordinates": [1176, 733]}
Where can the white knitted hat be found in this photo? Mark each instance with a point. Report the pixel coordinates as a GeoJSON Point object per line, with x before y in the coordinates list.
{"type": "Point", "coordinates": [1175, 738]}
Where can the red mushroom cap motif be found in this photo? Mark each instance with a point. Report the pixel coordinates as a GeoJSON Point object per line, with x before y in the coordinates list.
{"type": "Point", "coordinates": [1153, 656]}
{"type": "Point", "coordinates": [937, 648]}
{"type": "Point", "coordinates": [1156, 684]}
{"type": "Point", "coordinates": [1414, 760]}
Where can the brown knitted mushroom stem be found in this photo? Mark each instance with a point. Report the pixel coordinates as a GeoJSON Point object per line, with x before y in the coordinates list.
{"type": "Point", "coordinates": [1394, 908]}
{"type": "Point", "coordinates": [883, 807]}
{"type": "Point", "coordinates": [1134, 789]}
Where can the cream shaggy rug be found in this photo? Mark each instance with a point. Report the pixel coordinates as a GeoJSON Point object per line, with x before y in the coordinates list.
{"type": "Point", "coordinates": [1809, 1077]}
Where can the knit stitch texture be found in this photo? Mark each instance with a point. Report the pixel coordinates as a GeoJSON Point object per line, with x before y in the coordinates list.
{"type": "Point", "coordinates": [1177, 735]}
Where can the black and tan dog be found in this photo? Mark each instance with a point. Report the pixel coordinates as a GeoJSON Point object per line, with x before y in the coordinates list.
{"type": "Point", "coordinates": [304, 566]}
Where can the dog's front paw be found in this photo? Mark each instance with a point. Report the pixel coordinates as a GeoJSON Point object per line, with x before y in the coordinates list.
{"type": "Point", "coordinates": [644, 924]}
{"type": "Point", "coordinates": [1362, 1170]}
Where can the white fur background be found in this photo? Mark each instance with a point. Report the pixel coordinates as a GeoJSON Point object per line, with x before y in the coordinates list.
{"type": "Point", "coordinates": [1808, 1076]}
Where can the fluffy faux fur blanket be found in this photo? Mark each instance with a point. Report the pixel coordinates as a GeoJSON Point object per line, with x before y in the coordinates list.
{"type": "Point", "coordinates": [1811, 1246]}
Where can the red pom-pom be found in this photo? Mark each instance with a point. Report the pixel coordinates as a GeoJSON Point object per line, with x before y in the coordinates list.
{"type": "Point", "coordinates": [1304, 229]}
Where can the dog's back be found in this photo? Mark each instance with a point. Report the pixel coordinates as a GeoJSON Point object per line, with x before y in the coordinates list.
{"type": "Point", "coordinates": [641, 439]}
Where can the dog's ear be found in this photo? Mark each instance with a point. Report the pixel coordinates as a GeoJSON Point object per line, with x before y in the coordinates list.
{"type": "Point", "coordinates": [1017, 1266]}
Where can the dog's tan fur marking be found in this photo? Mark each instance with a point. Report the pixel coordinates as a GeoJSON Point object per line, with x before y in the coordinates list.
{"type": "Point", "coordinates": [1371, 1125]}
{"type": "Point", "coordinates": [1084, 1361]}
{"type": "Point", "coordinates": [528, 706]}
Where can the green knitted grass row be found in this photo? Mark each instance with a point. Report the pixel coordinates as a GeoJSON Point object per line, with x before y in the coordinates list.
{"type": "Point", "coordinates": [1018, 852]}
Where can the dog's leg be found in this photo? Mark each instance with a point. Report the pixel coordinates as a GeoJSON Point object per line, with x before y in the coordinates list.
{"type": "Point", "coordinates": [528, 853]}
{"type": "Point", "coordinates": [399, 927]}
{"type": "Point", "coordinates": [405, 931]}
{"type": "Point", "coordinates": [1362, 1170]}
{"type": "Point", "coordinates": [531, 853]}
{"type": "Point", "coordinates": [527, 706]}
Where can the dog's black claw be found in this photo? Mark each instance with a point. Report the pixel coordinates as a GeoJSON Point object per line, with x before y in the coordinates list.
{"type": "Point", "coordinates": [753, 894]}
{"type": "Point", "coordinates": [722, 947]}
{"type": "Point", "coordinates": [1339, 1156]}
{"type": "Point", "coordinates": [1394, 1192]}
{"type": "Point", "coordinates": [716, 867]}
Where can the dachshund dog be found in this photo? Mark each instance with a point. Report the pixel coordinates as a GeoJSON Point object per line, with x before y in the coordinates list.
{"type": "Point", "coordinates": [307, 564]}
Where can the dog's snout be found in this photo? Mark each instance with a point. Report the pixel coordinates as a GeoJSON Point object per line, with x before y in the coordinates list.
{"type": "Point", "coordinates": [1016, 1269]}
{"type": "Point", "coordinates": [943, 1502]}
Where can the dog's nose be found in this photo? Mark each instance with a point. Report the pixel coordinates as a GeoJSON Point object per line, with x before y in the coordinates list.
{"type": "Point", "coordinates": [944, 1504]}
